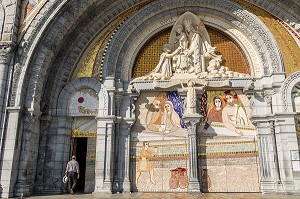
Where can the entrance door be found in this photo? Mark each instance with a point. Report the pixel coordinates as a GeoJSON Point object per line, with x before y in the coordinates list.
{"type": "Point", "coordinates": [80, 149]}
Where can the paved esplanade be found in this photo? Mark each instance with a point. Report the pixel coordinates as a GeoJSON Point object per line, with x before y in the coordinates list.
{"type": "Point", "coordinates": [172, 195]}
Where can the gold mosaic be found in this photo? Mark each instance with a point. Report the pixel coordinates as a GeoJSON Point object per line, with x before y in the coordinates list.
{"type": "Point", "coordinates": [78, 133]}
{"type": "Point", "coordinates": [287, 45]}
{"type": "Point", "coordinates": [91, 67]}
{"type": "Point", "coordinates": [149, 55]}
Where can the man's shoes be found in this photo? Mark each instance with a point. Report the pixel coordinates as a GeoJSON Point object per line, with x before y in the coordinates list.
{"type": "Point", "coordinates": [71, 191]}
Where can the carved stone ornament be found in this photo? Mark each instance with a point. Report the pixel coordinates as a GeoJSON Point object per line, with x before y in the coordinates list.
{"type": "Point", "coordinates": [189, 54]}
{"type": "Point", "coordinates": [6, 51]}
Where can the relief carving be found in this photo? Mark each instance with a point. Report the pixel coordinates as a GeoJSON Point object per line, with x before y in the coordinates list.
{"type": "Point", "coordinates": [189, 54]}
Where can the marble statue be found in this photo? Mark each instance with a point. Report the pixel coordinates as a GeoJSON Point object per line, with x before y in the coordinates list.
{"type": "Point", "coordinates": [189, 54]}
{"type": "Point", "coordinates": [191, 96]}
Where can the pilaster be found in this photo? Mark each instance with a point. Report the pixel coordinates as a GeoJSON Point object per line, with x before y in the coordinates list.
{"type": "Point", "coordinates": [6, 55]}
{"type": "Point", "coordinates": [58, 143]}
{"type": "Point", "coordinates": [10, 153]}
{"type": "Point", "coordinates": [104, 154]}
{"type": "Point", "coordinates": [31, 121]}
{"type": "Point", "coordinates": [45, 124]}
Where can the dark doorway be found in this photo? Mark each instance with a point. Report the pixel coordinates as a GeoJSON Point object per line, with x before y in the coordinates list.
{"type": "Point", "coordinates": [81, 149]}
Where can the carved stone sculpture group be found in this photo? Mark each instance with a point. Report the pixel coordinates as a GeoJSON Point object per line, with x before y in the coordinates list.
{"type": "Point", "coordinates": [189, 54]}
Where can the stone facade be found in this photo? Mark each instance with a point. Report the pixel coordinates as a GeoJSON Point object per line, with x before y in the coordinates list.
{"type": "Point", "coordinates": [42, 99]}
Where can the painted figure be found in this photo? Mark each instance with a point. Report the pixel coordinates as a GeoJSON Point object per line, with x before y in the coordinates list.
{"type": "Point", "coordinates": [171, 120]}
{"type": "Point", "coordinates": [156, 112]}
{"type": "Point", "coordinates": [233, 114]}
{"type": "Point", "coordinates": [144, 164]}
{"type": "Point", "coordinates": [215, 113]}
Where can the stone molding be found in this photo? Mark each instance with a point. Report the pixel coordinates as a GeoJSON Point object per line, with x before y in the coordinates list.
{"type": "Point", "coordinates": [282, 9]}
{"type": "Point", "coordinates": [6, 52]}
{"type": "Point", "coordinates": [286, 90]}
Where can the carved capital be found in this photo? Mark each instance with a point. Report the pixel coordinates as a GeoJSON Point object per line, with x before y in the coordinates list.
{"type": "Point", "coordinates": [268, 98]}
{"type": "Point", "coordinates": [6, 52]}
{"type": "Point", "coordinates": [129, 122]}
{"type": "Point", "coordinates": [133, 100]}
{"type": "Point", "coordinates": [191, 122]}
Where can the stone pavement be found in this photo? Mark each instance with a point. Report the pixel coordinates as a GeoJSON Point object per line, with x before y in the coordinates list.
{"type": "Point", "coordinates": [170, 195]}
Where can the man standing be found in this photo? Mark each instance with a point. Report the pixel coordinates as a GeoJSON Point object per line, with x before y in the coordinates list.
{"type": "Point", "coordinates": [72, 171]}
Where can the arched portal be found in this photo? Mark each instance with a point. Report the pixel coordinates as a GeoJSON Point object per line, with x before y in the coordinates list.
{"type": "Point", "coordinates": [70, 49]}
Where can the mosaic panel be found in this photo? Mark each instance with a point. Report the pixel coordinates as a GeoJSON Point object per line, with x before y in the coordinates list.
{"type": "Point", "coordinates": [160, 146]}
{"type": "Point", "coordinates": [84, 127]}
{"type": "Point", "coordinates": [83, 103]}
{"type": "Point", "coordinates": [228, 144]}
{"type": "Point", "coordinates": [288, 47]}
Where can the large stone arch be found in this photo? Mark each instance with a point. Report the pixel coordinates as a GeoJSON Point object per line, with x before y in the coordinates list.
{"type": "Point", "coordinates": [41, 53]}
{"type": "Point", "coordinates": [151, 18]}
{"type": "Point", "coordinates": [45, 44]}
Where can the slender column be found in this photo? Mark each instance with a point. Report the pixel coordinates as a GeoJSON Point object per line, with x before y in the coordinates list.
{"type": "Point", "coordinates": [191, 121]}
{"type": "Point", "coordinates": [6, 70]}
{"type": "Point", "coordinates": [6, 55]}
{"type": "Point", "coordinates": [104, 154]}
{"type": "Point", "coordinates": [118, 144]}
{"type": "Point", "coordinates": [126, 135]}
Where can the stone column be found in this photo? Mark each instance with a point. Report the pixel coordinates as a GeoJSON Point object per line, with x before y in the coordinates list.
{"type": "Point", "coordinates": [10, 153]}
{"type": "Point", "coordinates": [6, 55]}
{"type": "Point", "coordinates": [191, 121]}
{"type": "Point", "coordinates": [124, 160]}
{"type": "Point", "coordinates": [286, 145]}
{"type": "Point", "coordinates": [104, 154]}
{"type": "Point", "coordinates": [118, 147]}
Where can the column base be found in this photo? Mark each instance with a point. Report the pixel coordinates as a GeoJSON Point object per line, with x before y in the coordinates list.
{"type": "Point", "coordinates": [38, 188]}
{"type": "Point", "coordinates": [6, 192]}
{"type": "Point", "coordinates": [22, 190]}
{"type": "Point", "coordinates": [105, 188]}
{"type": "Point", "coordinates": [126, 186]}
{"type": "Point", "coordinates": [194, 186]}
{"type": "Point", "coordinates": [280, 187]}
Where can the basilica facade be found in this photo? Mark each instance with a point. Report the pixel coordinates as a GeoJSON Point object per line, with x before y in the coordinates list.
{"type": "Point", "coordinates": [150, 95]}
